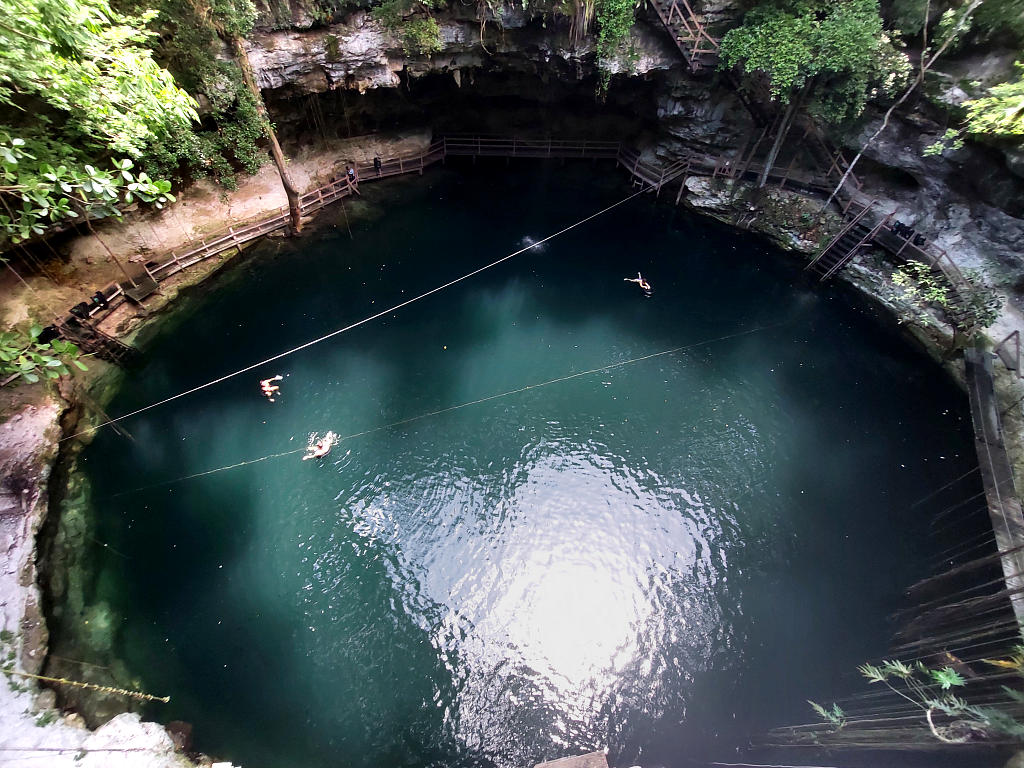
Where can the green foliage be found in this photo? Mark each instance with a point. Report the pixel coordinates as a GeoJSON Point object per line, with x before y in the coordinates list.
{"type": "Point", "coordinates": [834, 716]}
{"type": "Point", "coordinates": [234, 18]}
{"type": "Point", "coordinates": [331, 47]}
{"type": "Point", "coordinates": [922, 284]}
{"type": "Point", "coordinates": [90, 65]}
{"type": "Point", "coordinates": [839, 50]}
{"type": "Point", "coordinates": [614, 20]}
{"type": "Point", "coordinates": [421, 36]}
{"type": "Point", "coordinates": [1001, 19]}
{"type": "Point", "coordinates": [44, 719]}
{"type": "Point", "coordinates": [1000, 112]}
{"type": "Point", "coordinates": [232, 129]}
{"type": "Point", "coordinates": [926, 287]}
{"type": "Point", "coordinates": [79, 86]}
{"type": "Point", "coordinates": [411, 21]}
{"type": "Point", "coordinates": [35, 195]}
{"type": "Point", "coordinates": [907, 16]}
{"type": "Point", "coordinates": [930, 689]}
{"type": "Point", "coordinates": [21, 354]}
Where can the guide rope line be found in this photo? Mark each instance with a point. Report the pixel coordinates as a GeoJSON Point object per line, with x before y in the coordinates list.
{"type": "Point", "coordinates": [944, 487]}
{"type": "Point", "coordinates": [450, 408]}
{"type": "Point", "coordinates": [365, 320]}
{"type": "Point", "coordinates": [91, 686]}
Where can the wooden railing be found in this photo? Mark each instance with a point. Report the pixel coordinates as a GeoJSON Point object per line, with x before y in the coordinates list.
{"type": "Point", "coordinates": [687, 30]}
{"type": "Point", "coordinates": [504, 146]}
{"type": "Point", "coordinates": [644, 173]}
{"type": "Point", "coordinates": [1011, 359]}
{"type": "Point", "coordinates": [843, 232]}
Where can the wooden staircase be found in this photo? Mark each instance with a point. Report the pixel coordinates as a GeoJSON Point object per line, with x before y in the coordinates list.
{"type": "Point", "coordinates": [91, 340]}
{"type": "Point", "coordinates": [687, 30]}
{"type": "Point", "coordinates": [854, 234]}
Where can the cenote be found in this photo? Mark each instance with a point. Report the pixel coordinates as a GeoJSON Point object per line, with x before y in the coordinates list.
{"type": "Point", "coordinates": [664, 558]}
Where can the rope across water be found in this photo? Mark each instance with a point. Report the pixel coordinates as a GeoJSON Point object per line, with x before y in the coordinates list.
{"type": "Point", "coordinates": [365, 320]}
{"type": "Point", "coordinates": [450, 408]}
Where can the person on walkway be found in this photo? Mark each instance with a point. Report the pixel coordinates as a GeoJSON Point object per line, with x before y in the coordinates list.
{"type": "Point", "coordinates": [269, 388]}
{"type": "Point", "coordinates": [639, 280]}
{"type": "Point", "coordinates": [377, 164]}
{"type": "Point", "coordinates": [350, 172]}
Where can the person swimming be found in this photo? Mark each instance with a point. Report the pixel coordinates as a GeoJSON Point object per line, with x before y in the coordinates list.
{"type": "Point", "coordinates": [270, 389]}
{"type": "Point", "coordinates": [639, 280]}
{"type": "Point", "coordinates": [320, 446]}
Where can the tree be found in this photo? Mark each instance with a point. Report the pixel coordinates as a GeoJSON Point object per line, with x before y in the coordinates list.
{"type": "Point", "coordinates": [832, 56]}
{"type": "Point", "coordinates": [35, 196]}
{"type": "Point", "coordinates": [78, 88]}
{"type": "Point", "coordinates": [233, 20]}
{"type": "Point", "coordinates": [230, 135]}
{"type": "Point", "coordinates": [951, 27]}
{"type": "Point", "coordinates": [83, 64]}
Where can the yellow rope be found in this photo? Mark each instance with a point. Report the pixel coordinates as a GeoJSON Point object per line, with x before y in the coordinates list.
{"type": "Point", "coordinates": [92, 686]}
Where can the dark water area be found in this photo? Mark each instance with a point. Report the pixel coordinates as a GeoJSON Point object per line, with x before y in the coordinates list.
{"type": "Point", "coordinates": [663, 558]}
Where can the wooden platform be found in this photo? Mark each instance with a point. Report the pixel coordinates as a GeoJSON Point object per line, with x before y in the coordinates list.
{"type": "Point", "coordinates": [996, 474]}
{"type": "Point", "coordinates": [590, 760]}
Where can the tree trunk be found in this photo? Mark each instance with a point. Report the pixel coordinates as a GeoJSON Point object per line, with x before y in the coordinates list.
{"type": "Point", "coordinates": [926, 64]}
{"type": "Point", "coordinates": [110, 253]}
{"type": "Point", "coordinates": [294, 209]}
{"type": "Point", "coordinates": [780, 136]}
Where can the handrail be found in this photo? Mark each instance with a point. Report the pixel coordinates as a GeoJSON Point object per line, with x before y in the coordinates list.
{"type": "Point", "coordinates": [869, 237]}
{"type": "Point", "coordinates": [998, 350]}
{"type": "Point", "coordinates": [842, 233]}
{"type": "Point", "coordinates": [700, 27]}
{"type": "Point", "coordinates": [646, 173]}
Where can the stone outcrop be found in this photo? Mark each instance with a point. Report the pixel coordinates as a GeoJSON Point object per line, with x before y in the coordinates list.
{"type": "Point", "coordinates": [360, 54]}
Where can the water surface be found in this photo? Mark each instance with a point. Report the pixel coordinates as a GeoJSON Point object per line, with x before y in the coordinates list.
{"type": "Point", "coordinates": [662, 558]}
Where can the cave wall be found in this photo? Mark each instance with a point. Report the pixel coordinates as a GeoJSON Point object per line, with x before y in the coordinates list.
{"type": "Point", "coordinates": [525, 76]}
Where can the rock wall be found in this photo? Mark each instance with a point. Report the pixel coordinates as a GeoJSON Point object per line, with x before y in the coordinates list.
{"type": "Point", "coordinates": [971, 203]}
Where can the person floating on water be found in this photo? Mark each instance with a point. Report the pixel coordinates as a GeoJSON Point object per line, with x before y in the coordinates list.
{"type": "Point", "coordinates": [270, 389]}
{"type": "Point", "coordinates": [639, 280]}
{"type": "Point", "coordinates": [320, 446]}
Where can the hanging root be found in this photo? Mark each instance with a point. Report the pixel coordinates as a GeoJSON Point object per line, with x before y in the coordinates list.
{"type": "Point", "coordinates": [483, 28]}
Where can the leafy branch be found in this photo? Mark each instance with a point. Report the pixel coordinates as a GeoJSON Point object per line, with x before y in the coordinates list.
{"type": "Point", "coordinates": [25, 356]}
{"type": "Point", "coordinates": [932, 691]}
{"type": "Point", "coordinates": [35, 196]}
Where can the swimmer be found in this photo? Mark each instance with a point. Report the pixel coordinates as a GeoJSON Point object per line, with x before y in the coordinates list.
{"type": "Point", "coordinates": [639, 280]}
{"type": "Point", "coordinates": [320, 447]}
{"type": "Point", "coordinates": [269, 388]}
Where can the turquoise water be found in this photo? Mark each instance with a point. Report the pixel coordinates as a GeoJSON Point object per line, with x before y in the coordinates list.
{"type": "Point", "coordinates": [662, 559]}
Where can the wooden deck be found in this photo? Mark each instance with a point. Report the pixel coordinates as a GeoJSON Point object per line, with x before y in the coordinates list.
{"type": "Point", "coordinates": [644, 173]}
{"type": "Point", "coordinates": [997, 475]}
